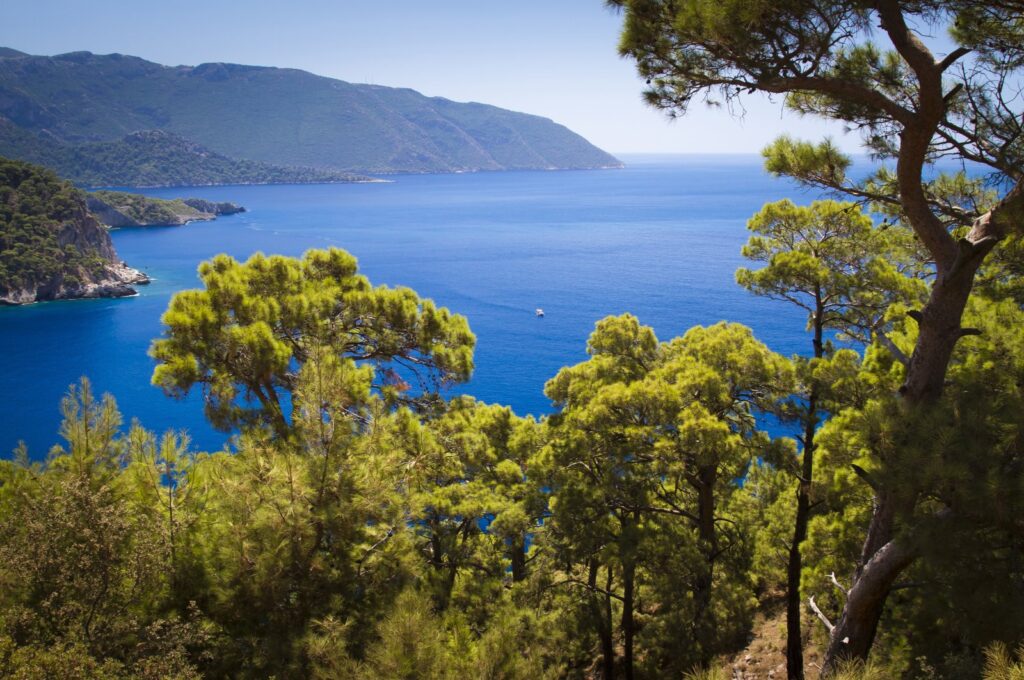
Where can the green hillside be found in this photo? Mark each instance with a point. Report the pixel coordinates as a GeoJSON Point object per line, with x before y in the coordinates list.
{"type": "Point", "coordinates": [33, 205]}
{"type": "Point", "coordinates": [279, 116]}
{"type": "Point", "coordinates": [51, 247]}
{"type": "Point", "coordinates": [152, 158]}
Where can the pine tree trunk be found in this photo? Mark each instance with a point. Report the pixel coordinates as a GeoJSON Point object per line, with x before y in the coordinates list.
{"type": "Point", "coordinates": [704, 623]}
{"type": "Point", "coordinates": [884, 561]}
{"type": "Point", "coordinates": [794, 632]}
{"type": "Point", "coordinates": [518, 559]}
{"type": "Point", "coordinates": [603, 619]}
{"type": "Point", "coordinates": [886, 555]}
{"type": "Point", "coordinates": [628, 580]}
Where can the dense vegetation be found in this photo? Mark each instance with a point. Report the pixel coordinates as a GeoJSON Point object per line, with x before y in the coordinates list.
{"type": "Point", "coordinates": [364, 525]}
{"type": "Point", "coordinates": [871, 66]}
{"type": "Point", "coordinates": [279, 116]}
{"type": "Point", "coordinates": [150, 159]}
{"type": "Point", "coordinates": [35, 205]}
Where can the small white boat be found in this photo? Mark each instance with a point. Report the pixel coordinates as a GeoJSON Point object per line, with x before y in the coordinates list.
{"type": "Point", "coordinates": [540, 312]}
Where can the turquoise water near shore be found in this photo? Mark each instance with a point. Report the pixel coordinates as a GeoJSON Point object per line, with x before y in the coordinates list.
{"type": "Point", "coordinates": [660, 239]}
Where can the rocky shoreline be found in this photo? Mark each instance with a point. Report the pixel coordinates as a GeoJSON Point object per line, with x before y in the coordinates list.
{"type": "Point", "coordinates": [54, 248]}
{"type": "Point", "coordinates": [118, 282]}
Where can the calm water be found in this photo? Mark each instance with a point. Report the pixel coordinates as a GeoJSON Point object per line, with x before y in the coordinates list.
{"type": "Point", "coordinates": [660, 239]}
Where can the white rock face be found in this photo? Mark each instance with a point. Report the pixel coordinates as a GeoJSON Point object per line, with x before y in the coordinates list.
{"type": "Point", "coordinates": [116, 282]}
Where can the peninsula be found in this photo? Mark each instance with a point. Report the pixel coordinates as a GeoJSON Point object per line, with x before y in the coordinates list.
{"type": "Point", "coordinates": [120, 209]}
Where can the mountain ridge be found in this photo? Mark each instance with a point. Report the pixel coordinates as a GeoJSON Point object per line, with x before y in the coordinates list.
{"type": "Point", "coordinates": [280, 116]}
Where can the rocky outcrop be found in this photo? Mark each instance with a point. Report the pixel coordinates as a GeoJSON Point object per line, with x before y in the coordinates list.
{"type": "Point", "coordinates": [108, 214]}
{"type": "Point", "coordinates": [105, 277]}
{"type": "Point", "coordinates": [117, 281]}
{"type": "Point", "coordinates": [84, 233]}
{"type": "Point", "coordinates": [51, 247]}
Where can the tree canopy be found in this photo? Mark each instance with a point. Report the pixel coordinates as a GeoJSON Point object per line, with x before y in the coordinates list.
{"type": "Point", "coordinates": [247, 335]}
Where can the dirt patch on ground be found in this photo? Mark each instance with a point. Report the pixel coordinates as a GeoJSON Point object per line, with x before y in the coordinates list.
{"type": "Point", "coordinates": [765, 657]}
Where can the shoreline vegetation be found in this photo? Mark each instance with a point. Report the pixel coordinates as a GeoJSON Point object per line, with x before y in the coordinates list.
{"type": "Point", "coordinates": [51, 277]}
{"type": "Point", "coordinates": [54, 243]}
{"type": "Point", "coordinates": [108, 187]}
{"type": "Point", "coordinates": [154, 158]}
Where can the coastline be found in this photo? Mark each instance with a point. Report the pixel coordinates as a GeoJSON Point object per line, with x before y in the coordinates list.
{"type": "Point", "coordinates": [117, 284]}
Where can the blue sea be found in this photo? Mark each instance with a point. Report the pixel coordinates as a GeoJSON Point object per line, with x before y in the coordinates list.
{"type": "Point", "coordinates": [660, 238]}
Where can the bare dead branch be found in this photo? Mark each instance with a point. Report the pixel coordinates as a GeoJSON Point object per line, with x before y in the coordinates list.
{"type": "Point", "coordinates": [821, 615]}
{"type": "Point", "coordinates": [896, 352]}
{"type": "Point", "coordinates": [837, 584]}
{"type": "Point", "coordinates": [951, 58]}
{"type": "Point", "coordinates": [865, 476]}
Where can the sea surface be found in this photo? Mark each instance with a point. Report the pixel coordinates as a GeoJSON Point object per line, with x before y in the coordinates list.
{"type": "Point", "coordinates": [660, 239]}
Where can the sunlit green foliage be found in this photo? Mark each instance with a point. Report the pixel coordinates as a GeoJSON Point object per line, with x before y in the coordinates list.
{"type": "Point", "coordinates": [245, 338]}
{"type": "Point", "coordinates": [650, 443]}
{"type": "Point", "coordinates": [830, 260]}
{"type": "Point", "coordinates": [361, 525]}
{"type": "Point", "coordinates": [85, 575]}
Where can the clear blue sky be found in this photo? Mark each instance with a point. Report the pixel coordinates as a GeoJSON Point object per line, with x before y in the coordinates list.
{"type": "Point", "coordinates": [555, 58]}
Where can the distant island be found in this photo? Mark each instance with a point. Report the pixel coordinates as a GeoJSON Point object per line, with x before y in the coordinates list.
{"type": "Point", "coordinates": [51, 247]}
{"type": "Point", "coordinates": [117, 120]}
{"type": "Point", "coordinates": [120, 209]}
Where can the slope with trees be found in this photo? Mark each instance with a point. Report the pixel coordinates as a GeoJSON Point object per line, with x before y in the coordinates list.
{"type": "Point", "coordinates": [50, 246]}
{"type": "Point", "coordinates": [912, 107]}
{"type": "Point", "coordinates": [153, 158]}
{"type": "Point", "coordinates": [364, 524]}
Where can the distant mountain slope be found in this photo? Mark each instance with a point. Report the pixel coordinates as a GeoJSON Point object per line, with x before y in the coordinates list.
{"type": "Point", "coordinates": [280, 116]}
{"type": "Point", "coordinates": [152, 158]}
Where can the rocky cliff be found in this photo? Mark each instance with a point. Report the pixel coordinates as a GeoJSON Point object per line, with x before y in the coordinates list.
{"type": "Point", "coordinates": [51, 247]}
